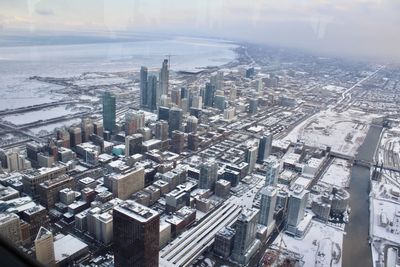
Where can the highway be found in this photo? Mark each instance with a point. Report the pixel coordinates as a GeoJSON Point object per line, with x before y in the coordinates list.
{"type": "Point", "coordinates": [347, 94]}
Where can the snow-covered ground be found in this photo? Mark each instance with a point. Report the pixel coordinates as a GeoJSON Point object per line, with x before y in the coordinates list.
{"type": "Point", "coordinates": [389, 148]}
{"type": "Point", "coordinates": [338, 173]}
{"type": "Point", "coordinates": [384, 219]}
{"type": "Point", "coordinates": [334, 88]}
{"type": "Point", "coordinates": [316, 245]}
{"type": "Point", "coordinates": [343, 132]}
{"type": "Point", "coordinates": [44, 114]}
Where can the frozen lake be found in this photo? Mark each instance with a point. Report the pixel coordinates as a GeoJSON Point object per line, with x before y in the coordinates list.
{"type": "Point", "coordinates": [19, 63]}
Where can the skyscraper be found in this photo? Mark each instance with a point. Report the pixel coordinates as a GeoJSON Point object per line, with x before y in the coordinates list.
{"type": "Point", "coordinates": [10, 227]}
{"type": "Point", "coordinates": [143, 87]}
{"type": "Point", "coordinates": [152, 92]}
{"type": "Point", "coordinates": [209, 95]}
{"type": "Point", "coordinates": [191, 124]}
{"type": "Point", "coordinates": [161, 131]}
{"type": "Point", "coordinates": [253, 105]}
{"type": "Point", "coordinates": [296, 207]}
{"type": "Point", "coordinates": [175, 119]}
{"type": "Point", "coordinates": [245, 243]}
{"type": "Point", "coordinates": [219, 102]}
{"type": "Point", "coordinates": [265, 147]}
{"type": "Point", "coordinates": [251, 157]}
{"type": "Point", "coordinates": [136, 235]}
{"type": "Point", "coordinates": [177, 142]}
{"type": "Point", "coordinates": [272, 171]}
{"type": "Point", "coordinates": [267, 205]}
{"type": "Point", "coordinates": [164, 77]}
{"type": "Point", "coordinates": [134, 120]}
{"type": "Point", "coordinates": [176, 97]}
{"type": "Point", "coordinates": [44, 247]}
{"type": "Point", "coordinates": [259, 86]}
{"type": "Point", "coordinates": [109, 109]}
{"type": "Point", "coordinates": [208, 174]}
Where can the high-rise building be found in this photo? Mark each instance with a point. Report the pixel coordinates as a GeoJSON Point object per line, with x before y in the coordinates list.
{"type": "Point", "coordinates": [164, 77]}
{"type": "Point", "coordinates": [196, 102]}
{"type": "Point", "coordinates": [76, 136]}
{"type": "Point", "coordinates": [251, 157]}
{"type": "Point", "coordinates": [175, 119]}
{"type": "Point", "coordinates": [163, 113]}
{"type": "Point", "coordinates": [87, 129]}
{"type": "Point", "coordinates": [134, 120]}
{"type": "Point", "coordinates": [209, 94]}
{"type": "Point", "coordinates": [125, 184]}
{"type": "Point", "coordinates": [10, 227]}
{"type": "Point", "coordinates": [245, 243]}
{"type": "Point", "coordinates": [143, 87]}
{"type": "Point", "coordinates": [229, 114]}
{"type": "Point", "coordinates": [208, 174]}
{"type": "Point", "coordinates": [49, 190]}
{"type": "Point", "coordinates": [161, 131]}
{"type": "Point", "coordinates": [296, 207]}
{"type": "Point", "coordinates": [98, 128]}
{"type": "Point", "coordinates": [152, 93]}
{"type": "Point", "coordinates": [272, 171]}
{"type": "Point", "coordinates": [109, 111]}
{"type": "Point", "coordinates": [232, 93]}
{"type": "Point", "coordinates": [223, 243]}
{"type": "Point", "coordinates": [191, 124]}
{"type": "Point", "coordinates": [64, 135]}
{"type": "Point", "coordinates": [185, 92]}
{"type": "Point", "coordinates": [217, 80]}
{"type": "Point", "coordinates": [44, 247]}
{"type": "Point", "coordinates": [219, 102]}
{"type": "Point", "coordinates": [165, 101]}
{"type": "Point", "coordinates": [259, 86]}
{"type": "Point", "coordinates": [177, 142]}
{"type": "Point", "coordinates": [253, 105]}
{"type": "Point", "coordinates": [136, 235]}
{"type": "Point", "coordinates": [193, 141]}
{"type": "Point", "coordinates": [133, 144]}
{"type": "Point", "coordinates": [12, 160]}
{"type": "Point", "coordinates": [265, 147]}
{"type": "Point", "coordinates": [176, 97]}
{"type": "Point", "coordinates": [267, 205]}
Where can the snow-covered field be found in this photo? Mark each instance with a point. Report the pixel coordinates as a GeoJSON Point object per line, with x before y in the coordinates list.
{"type": "Point", "coordinates": [338, 173]}
{"type": "Point", "coordinates": [389, 148]}
{"type": "Point", "coordinates": [44, 114]}
{"type": "Point", "coordinates": [343, 132]}
{"type": "Point", "coordinates": [319, 240]}
{"type": "Point", "coordinates": [334, 88]}
{"type": "Point", "coordinates": [384, 219]}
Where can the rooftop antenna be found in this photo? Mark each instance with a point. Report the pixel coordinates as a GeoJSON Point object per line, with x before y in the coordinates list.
{"type": "Point", "coordinates": [169, 60]}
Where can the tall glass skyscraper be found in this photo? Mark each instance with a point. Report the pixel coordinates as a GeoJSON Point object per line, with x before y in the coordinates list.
{"type": "Point", "coordinates": [143, 86]}
{"type": "Point", "coordinates": [265, 147]}
{"type": "Point", "coordinates": [109, 108]}
{"type": "Point", "coordinates": [152, 92]}
{"type": "Point", "coordinates": [164, 78]}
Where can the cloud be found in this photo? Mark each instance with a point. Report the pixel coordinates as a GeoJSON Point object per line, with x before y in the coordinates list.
{"type": "Point", "coordinates": [44, 12]}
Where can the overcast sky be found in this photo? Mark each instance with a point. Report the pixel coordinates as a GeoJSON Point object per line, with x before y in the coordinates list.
{"type": "Point", "coordinates": [342, 27]}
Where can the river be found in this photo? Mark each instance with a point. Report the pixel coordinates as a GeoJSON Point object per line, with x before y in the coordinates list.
{"type": "Point", "coordinates": [356, 249]}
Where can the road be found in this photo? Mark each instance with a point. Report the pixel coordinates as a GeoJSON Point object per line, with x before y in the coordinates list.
{"type": "Point", "coordinates": [347, 94]}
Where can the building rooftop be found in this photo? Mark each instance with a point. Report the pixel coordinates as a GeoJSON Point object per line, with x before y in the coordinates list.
{"type": "Point", "coordinates": [43, 233]}
{"type": "Point", "coordinates": [136, 211]}
{"type": "Point", "coordinates": [34, 209]}
{"type": "Point", "coordinates": [5, 217]}
{"type": "Point", "coordinates": [67, 246]}
{"type": "Point", "coordinates": [227, 232]}
{"type": "Point", "coordinates": [55, 181]}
